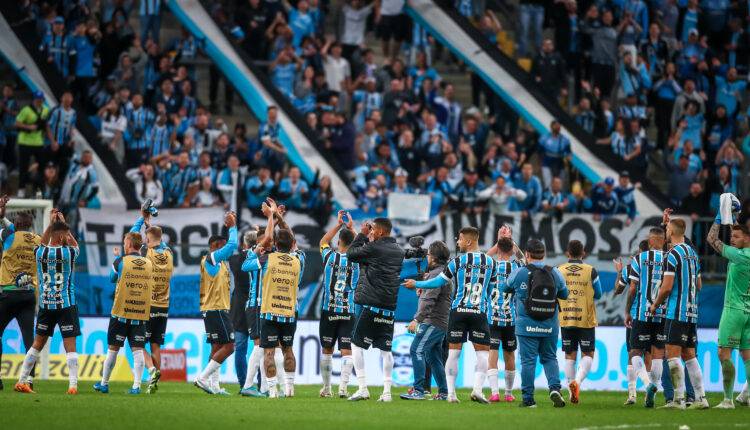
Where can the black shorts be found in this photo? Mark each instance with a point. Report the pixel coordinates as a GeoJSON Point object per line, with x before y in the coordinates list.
{"type": "Point", "coordinates": [372, 328]}
{"type": "Point", "coordinates": [157, 325]}
{"type": "Point", "coordinates": [575, 337]}
{"type": "Point", "coordinates": [627, 339]}
{"type": "Point", "coordinates": [503, 335]}
{"type": "Point", "coordinates": [681, 333]}
{"type": "Point", "coordinates": [119, 330]}
{"type": "Point", "coordinates": [336, 328]}
{"type": "Point", "coordinates": [253, 324]}
{"type": "Point", "coordinates": [66, 319]}
{"type": "Point", "coordinates": [275, 333]}
{"type": "Point", "coordinates": [396, 27]}
{"type": "Point", "coordinates": [218, 327]}
{"type": "Point", "coordinates": [645, 335]}
{"type": "Point", "coordinates": [465, 325]}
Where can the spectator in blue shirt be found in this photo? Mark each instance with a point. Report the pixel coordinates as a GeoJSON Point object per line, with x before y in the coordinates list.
{"type": "Point", "coordinates": [56, 47]}
{"type": "Point", "coordinates": [400, 184]}
{"type": "Point", "coordinates": [284, 71]}
{"type": "Point", "coordinates": [83, 46]}
{"type": "Point", "coordinates": [258, 188]}
{"type": "Point", "coordinates": [438, 188]}
{"type": "Point", "coordinates": [150, 19]}
{"type": "Point", "coordinates": [177, 180]}
{"type": "Point", "coordinates": [604, 199]}
{"type": "Point", "coordinates": [729, 91]}
{"type": "Point", "coordinates": [625, 192]}
{"type": "Point", "coordinates": [301, 22]}
{"type": "Point", "coordinates": [556, 152]}
{"type": "Point", "coordinates": [536, 339]}
{"type": "Point", "coordinates": [293, 190]}
{"type": "Point", "coordinates": [532, 186]}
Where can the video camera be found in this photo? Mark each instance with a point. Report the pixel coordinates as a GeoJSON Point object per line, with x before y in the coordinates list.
{"type": "Point", "coordinates": [416, 251]}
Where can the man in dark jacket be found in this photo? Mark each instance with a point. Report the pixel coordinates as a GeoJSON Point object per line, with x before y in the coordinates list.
{"type": "Point", "coordinates": [548, 70]}
{"type": "Point", "coordinates": [237, 306]}
{"type": "Point", "coordinates": [380, 259]}
{"type": "Point", "coordinates": [430, 324]}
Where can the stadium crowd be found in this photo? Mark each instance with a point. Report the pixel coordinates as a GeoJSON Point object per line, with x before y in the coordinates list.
{"type": "Point", "coordinates": [394, 125]}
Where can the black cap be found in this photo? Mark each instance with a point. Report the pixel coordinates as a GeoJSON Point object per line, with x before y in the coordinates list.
{"type": "Point", "coordinates": [535, 246]}
{"type": "Point", "coordinates": [51, 164]}
{"type": "Point", "coordinates": [625, 174]}
{"type": "Point", "coordinates": [471, 171]}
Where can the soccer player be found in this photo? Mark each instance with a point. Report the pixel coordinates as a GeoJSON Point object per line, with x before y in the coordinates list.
{"type": "Point", "coordinates": [252, 311]}
{"type": "Point", "coordinates": [734, 327]}
{"type": "Point", "coordinates": [646, 329]}
{"type": "Point", "coordinates": [474, 276]}
{"type": "Point", "coordinates": [55, 265]}
{"type": "Point", "coordinates": [502, 318]}
{"type": "Point", "coordinates": [132, 275]}
{"type": "Point", "coordinates": [281, 275]}
{"type": "Point", "coordinates": [18, 277]}
{"type": "Point", "coordinates": [337, 314]}
{"type": "Point", "coordinates": [162, 263]}
{"type": "Point", "coordinates": [578, 316]}
{"type": "Point", "coordinates": [381, 260]}
{"type": "Point", "coordinates": [216, 281]}
{"type": "Point", "coordinates": [680, 286]}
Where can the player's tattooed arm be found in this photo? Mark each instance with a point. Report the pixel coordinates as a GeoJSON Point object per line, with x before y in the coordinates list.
{"type": "Point", "coordinates": [713, 238]}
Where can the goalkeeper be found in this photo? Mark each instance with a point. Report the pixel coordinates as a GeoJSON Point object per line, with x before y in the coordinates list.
{"type": "Point", "coordinates": [734, 327]}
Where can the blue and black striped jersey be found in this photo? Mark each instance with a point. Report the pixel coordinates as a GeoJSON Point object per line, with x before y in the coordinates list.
{"type": "Point", "coordinates": [340, 277]}
{"type": "Point", "coordinates": [647, 270]}
{"type": "Point", "coordinates": [683, 264]}
{"type": "Point", "coordinates": [502, 306]}
{"type": "Point", "coordinates": [56, 274]}
{"type": "Point", "coordinates": [474, 275]}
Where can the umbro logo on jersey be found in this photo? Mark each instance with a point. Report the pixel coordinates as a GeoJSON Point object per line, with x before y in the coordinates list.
{"type": "Point", "coordinates": [160, 258]}
{"type": "Point", "coordinates": [575, 268]}
{"type": "Point", "coordinates": [285, 258]}
{"type": "Point", "coordinates": [28, 237]}
{"type": "Point", "coordinates": [139, 262]}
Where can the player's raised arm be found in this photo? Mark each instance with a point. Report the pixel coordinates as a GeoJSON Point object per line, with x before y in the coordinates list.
{"type": "Point", "coordinates": [330, 234]}
{"type": "Point", "coordinates": [226, 251]}
{"type": "Point", "coordinates": [359, 251]}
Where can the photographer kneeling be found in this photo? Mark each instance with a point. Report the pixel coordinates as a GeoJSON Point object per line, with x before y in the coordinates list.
{"type": "Point", "coordinates": [430, 325]}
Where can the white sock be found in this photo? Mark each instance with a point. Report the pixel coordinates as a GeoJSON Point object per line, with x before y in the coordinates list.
{"type": "Point", "coordinates": [152, 369]}
{"type": "Point", "coordinates": [584, 367]}
{"type": "Point", "coordinates": [109, 364]}
{"type": "Point", "coordinates": [72, 359]}
{"type": "Point", "coordinates": [346, 371]}
{"type": "Point", "coordinates": [639, 367]}
{"type": "Point", "coordinates": [510, 380]}
{"type": "Point", "coordinates": [696, 377]}
{"type": "Point", "coordinates": [657, 368]}
{"type": "Point", "coordinates": [358, 355]}
{"type": "Point", "coordinates": [631, 381]}
{"type": "Point", "coordinates": [451, 370]}
{"type": "Point", "coordinates": [278, 357]}
{"type": "Point", "coordinates": [494, 382]}
{"type": "Point", "coordinates": [387, 357]}
{"type": "Point", "coordinates": [139, 362]}
{"type": "Point", "coordinates": [326, 368]}
{"type": "Point", "coordinates": [214, 380]}
{"type": "Point", "coordinates": [570, 370]}
{"type": "Point", "coordinates": [744, 391]}
{"type": "Point", "coordinates": [480, 370]}
{"type": "Point", "coordinates": [289, 381]}
{"type": "Point", "coordinates": [210, 369]}
{"type": "Point", "coordinates": [678, 378]}
{"type": "Point", "coordinates": [263, 378]}
{"type": "Point", "coordinates": [254, 363]}
{"type": "Point", "coordinates": [272, 384]}
{"type": "Point", "coordinates": [32, 355]}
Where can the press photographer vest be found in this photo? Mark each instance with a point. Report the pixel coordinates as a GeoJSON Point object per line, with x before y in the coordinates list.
{"type": "Point", "coordinates": [163, 266]}
{"type": "Point", "coordinates": [280, 283]}
{"type": "Point", "coordinates": [19, 258]}
{"type": "Point", "coordinates": [215, 289]}
{"type": "Point", "coordinates": [579, 310]}
{"type": "Point", "coordinates": [133, 292]}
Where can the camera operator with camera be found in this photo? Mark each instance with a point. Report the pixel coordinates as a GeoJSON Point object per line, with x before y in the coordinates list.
{"type": "Point", "coordinates": [430, 323]}
{"type": "Point", "coordinates": [31, 123]}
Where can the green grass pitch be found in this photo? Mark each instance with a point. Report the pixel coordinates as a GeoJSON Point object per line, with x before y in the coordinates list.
{"type": "Point", "coordinates": [182, 406]}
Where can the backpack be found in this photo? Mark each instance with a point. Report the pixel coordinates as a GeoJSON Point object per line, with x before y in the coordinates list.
{"type": "Point", "coordinates": [541, 300]}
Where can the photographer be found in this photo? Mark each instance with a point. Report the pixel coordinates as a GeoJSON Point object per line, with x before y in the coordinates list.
{"type": "Point", "coordinates": [32, 127]}
{"type": "Point", "coordinates": [430, 325]}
